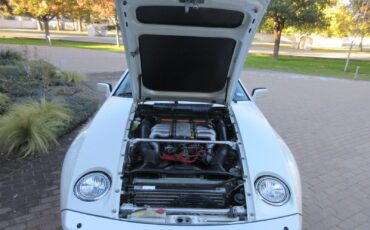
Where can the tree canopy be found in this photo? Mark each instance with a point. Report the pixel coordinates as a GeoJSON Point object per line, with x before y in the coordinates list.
{"type": "Point", "coordinates": [301, 14]}
{"type": "Point", "coordinates": [329, 17]}
{"type": "Point", "coordinates": [44, 10]}
{"type": "Point", "coordinates": [340, 21]}
{"type": "Point", "coordinates": [361, 14]}
{"type": "Point", "coordinates": [106, 10]}
{"type": "Point", "coordinates": [79, 10]}
{"type": "Point", "coordinates": [5, 6]}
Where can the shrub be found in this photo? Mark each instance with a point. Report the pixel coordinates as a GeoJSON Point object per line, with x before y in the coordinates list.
{"type": "Point", "coordinates": [4, 103]}
{"type": "Point", "coordinates": [82, 107]}
{"type": "Point", "coordinates": [9, 57]}
{"type": "Point", "coordinates": [27, 78]}
{"type": "Point", "coordinates": [32, 127]}
{"type": "Point", "coordinates": [72, 77]}
{"type": "Point", "coordinates": [41, 69]}
{"type": "Point", "coordinates": [11, 71]}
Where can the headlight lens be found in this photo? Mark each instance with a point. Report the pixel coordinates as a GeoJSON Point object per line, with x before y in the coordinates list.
{"type": "Point", "coordinates": [92, 186]}
{"type": "Point", "coordinates": [272, 190]}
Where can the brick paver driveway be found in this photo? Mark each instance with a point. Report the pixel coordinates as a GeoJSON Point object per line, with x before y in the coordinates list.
{"type": "Point", "coordinates": [325, 122]}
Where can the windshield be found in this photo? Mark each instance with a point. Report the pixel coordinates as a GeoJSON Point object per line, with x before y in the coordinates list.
{"type": "Point", "coordinates": [124, 90]}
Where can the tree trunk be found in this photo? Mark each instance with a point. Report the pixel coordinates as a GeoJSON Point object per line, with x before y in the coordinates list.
{"type": "Point", "coordinates": [47, 31]}
{"type": "Point", "coordinates": [116, 23]}
{"type": "Point", "coordinates": [39, 25]}
{"type": "Point", "coordinates": [277, 37]}
{"type": "Point", "coordinates": [79, 25]}
{"type": "Point", "coordinates": [302, 38]}
{"type": "Point", "coordinates": [62, 25]}
{"type": "Point", "coordinates": [74, 25]}
{"type": "Point", "coordinates": [58, 23]}
{"type": "Point", "coordinates": [349, 56]}
{"type": "Point", "coordinates": [117, 36]}
{"type": "Point", "coordinates": [361, 45]}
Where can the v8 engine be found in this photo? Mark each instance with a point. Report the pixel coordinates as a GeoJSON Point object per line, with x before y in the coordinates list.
{"type": "Point", "coordinates": [180, 158]}
{"type": "Point", "coordinates": [181, 129]}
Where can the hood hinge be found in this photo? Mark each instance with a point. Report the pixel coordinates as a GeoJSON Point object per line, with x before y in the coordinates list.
{"type": "Point", "coordinates": [227, 89]}
{"type": "Point", "coordinates": [133, 54]}
{"type": "Point", "coordinates": [140, 79]}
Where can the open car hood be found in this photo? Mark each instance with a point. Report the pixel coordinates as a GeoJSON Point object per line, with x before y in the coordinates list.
{"type": "Point", "coordinates": [187, 50]}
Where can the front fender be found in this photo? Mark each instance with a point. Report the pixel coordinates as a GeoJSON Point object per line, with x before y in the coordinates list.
{"type": "Point", "coordinates": [100, 147]}
{"type": "Point", "coordinates": [266, 154]}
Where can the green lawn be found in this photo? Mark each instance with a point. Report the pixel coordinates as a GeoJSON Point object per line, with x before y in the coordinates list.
{"type": "Point", "coordinates": [312, 66]}
{"type": "Point", "coordinates": [327, 49]}
{"type": "Point", "coordinates": [60, 32]}
{"type": "Point", "coordinates": [42, 42]}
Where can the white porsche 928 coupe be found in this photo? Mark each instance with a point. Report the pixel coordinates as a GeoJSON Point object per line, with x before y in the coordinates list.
{"type": "Point", "coordinates": [179, 143]}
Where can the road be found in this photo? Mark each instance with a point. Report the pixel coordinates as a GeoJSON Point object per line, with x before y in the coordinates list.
{"type": "Point", "coordinates": [71, 59]}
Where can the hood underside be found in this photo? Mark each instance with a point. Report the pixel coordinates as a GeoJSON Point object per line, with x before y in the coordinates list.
{"type": "Point", "coordinates": [187, 50]}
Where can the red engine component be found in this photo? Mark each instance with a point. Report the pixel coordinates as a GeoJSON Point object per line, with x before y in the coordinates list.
{"type": "Point", "coordinates": [185, 158]}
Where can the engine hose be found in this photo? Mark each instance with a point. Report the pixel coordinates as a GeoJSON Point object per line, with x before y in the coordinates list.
{"type": "Point", "coordinates": [222, 151]}
{"type": "Point", "coordinates": [150, 156]}
{"type": "Point", "coordinates": [145, 128]}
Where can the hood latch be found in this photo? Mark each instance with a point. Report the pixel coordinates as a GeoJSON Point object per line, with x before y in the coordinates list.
{"type": "Point", "coordinates": [191, 4]}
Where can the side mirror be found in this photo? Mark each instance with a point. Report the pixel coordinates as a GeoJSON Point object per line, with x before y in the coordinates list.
{"type": "Point", "coordinates": [258, 92]}
{"type": "Point", "coordinates": [104, 88]}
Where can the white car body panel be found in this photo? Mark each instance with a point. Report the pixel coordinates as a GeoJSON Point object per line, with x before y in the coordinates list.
{"type": "Point", "coordinates": [71, 219]}
{"type": "Point", "coordinates": [265, 154]}
{"type": "Point", "coordinates": [101, 145]}
{"type": "Point", "coordinates": [261, 144]}
{"type": "Point", "coordinates": [254, 11]}
{"type": "Point", "coordinates": [98, 148]}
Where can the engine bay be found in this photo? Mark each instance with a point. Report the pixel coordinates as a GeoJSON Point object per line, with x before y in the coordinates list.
{"type": "Point", "coordinates": [182, 166]}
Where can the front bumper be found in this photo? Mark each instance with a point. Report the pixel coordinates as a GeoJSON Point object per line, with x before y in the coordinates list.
{"type": "Point", "coordinates": [76, 220]}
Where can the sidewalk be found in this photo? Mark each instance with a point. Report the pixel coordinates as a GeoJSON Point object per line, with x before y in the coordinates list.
{"type": "Point", "coordinates": [56, 36]}
{"type": "Point", "coordinates": [365, 56]}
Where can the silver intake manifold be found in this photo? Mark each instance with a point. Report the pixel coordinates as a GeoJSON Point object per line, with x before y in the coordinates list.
{"type": "Point", "coordinates": [182, 130]}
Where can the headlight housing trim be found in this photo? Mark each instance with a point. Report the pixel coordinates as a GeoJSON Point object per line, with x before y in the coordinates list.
{"type": "Point", "coordinates": [279, 181]}
{"type": "Point", "coordinates": [103, 176]}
